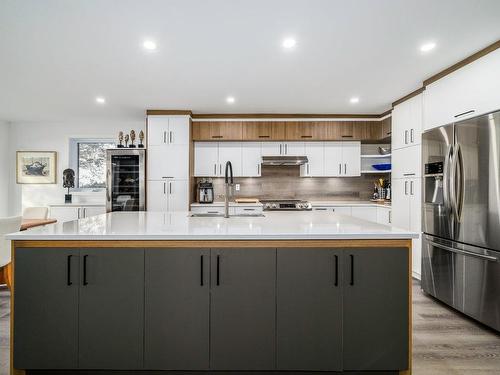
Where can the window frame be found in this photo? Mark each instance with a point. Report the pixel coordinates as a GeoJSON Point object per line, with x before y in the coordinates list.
{"type": "Point", "coordinates": [74, 157]}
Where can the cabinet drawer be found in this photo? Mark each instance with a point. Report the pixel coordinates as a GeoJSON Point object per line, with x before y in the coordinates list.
{"type": "Point", "coordinates": [247, 210]}
{"type": "Point", "coordinates": [207, 210]}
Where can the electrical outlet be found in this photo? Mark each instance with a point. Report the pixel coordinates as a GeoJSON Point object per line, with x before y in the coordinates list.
{"type": "Point", "coordinates": [237, 187]}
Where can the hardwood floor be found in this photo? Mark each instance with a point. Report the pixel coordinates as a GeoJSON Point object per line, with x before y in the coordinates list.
{"type": "Point", "coordinates": [444, 341]}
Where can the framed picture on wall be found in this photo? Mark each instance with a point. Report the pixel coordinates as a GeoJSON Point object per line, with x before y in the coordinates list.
{"type": "Point", "coordinates": [36, 167]}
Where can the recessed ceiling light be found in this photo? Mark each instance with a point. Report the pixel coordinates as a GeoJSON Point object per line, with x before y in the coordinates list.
{"type": "Point", "coordinates": [354, 100]}
{"type": "Point", "coordinates": [230, 100]}
{"type": "Point", "coordinates": [149, 45]}
{"type": "Point", "coordinates": [427, 47]}
{"type": "Point", "coordinates": [289, 43]}
{"type": "Point", "coordinates": [100, 100]}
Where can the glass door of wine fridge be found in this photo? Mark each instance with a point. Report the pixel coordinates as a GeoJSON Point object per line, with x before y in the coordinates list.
{"type": "Point", "coordinates": [125, 188]}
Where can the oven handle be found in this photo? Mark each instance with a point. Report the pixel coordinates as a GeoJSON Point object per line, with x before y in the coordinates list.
{"type": "Point", "coordinates": [463, 252]}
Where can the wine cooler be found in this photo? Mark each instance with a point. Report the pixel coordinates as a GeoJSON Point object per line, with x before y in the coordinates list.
{"type": "Point", "coordinates": [125, 179]}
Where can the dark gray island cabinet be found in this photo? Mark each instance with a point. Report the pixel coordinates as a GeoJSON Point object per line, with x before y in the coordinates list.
{"type": "Point", "coordinates": [328, 306]}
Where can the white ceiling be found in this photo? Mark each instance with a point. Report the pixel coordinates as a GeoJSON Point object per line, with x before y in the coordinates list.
{"type": "Point", "coordinates": [58, 55]}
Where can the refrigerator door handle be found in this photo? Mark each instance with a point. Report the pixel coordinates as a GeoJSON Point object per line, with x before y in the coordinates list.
{"type": "Point", "coordinates": [462, 252]}
{"type": "Point", "coordinates": [460, 182]}
{"type": "Point", "coordinates": [447, 179]}
{"type": "Point", "coordinates": [453, 184]}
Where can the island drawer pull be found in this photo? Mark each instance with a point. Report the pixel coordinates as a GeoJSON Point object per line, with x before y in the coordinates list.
{"type": "Point", "coordinates": [201, 271]}
{"type": "Point", "coordinates": [352, 270]}
{"type": "Point", "coordinates": [336, 270]}
{"type": "Point", "coordinates": [218, 270]}
{"type": "Point", "coordinates": [85, 282]}
{"type": "Point", "coordinates": [69, 282]}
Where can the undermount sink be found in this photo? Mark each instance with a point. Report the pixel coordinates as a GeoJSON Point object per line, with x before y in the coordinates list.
{"type": "Point", "coordinates": [222, 215]}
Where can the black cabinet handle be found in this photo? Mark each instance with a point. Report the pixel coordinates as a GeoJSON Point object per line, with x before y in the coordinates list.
{"type": "Point", "coordinates": [85, 282]}
{"type": "Point", "coordinates": [336, 270]}
{"type": "Point", "coordinates": [69, 282]}
{"type": "Point", "coordinates": [352, 269]}
{"type": "Point", "coordinates": [201, 271]}
{"type": "Point", "coordinates": [264, 136]}
{"type": "Point", "coordinates": [218, 270]}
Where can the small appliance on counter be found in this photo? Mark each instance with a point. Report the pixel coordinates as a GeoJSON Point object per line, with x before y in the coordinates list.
{"type": "Point", "coordinates": [205, 191]}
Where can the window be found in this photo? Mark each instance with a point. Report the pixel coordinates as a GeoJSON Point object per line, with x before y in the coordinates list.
{"type": "Point", "coordinates": [88, 159]}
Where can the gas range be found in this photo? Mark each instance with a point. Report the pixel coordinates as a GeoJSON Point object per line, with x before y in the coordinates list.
{"type": "Point", "coordinates": [286, 205]}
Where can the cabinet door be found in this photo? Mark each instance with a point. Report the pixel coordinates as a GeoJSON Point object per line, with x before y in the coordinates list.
{"type": "Point", "coordinates": [94, 210]}
{"type": "Point", "coordinates": [177, 195]}
{"type": "Point", "coordinates": [416, 113]}
{"type": "Point", "coordinates": [168, 161]}
{"type": "Point", "coordinates": [333, 159]}
{"type": "Point", "coordinates": [407, 162]}
{"type": "Point", "coordinates": [63, 214]}
{"type": "Point", "coordinates": [351, 159]}
{"type": "Point", "coordinates": [400, 125]}
{"type": "Point", "coordinates": [243, 309]}
{"type": "Point", "coordinates": [400, 203]}
{"type": "Point", "coordinates": [178, 130]}
{"type": "Point", "coordinates": [46, 323]}
{"type": "Point", "coordinates": [272, 149]}
{"type": "Point", "coordinates": [111, 312]}
{"type": "Point", "coordinates": [384, 215]}
{"type": "Point", "coordinates": [365, 213]}
{"type": "Point", "coordinates": [376, 287]}
{"type": "Point", "coordinates": [226, 130]}
{"type": "Point", "coordinates": [415, 204]}
{"type": "Point", "coordinates": [157, 130]}
{"type": "Point", "coordinates": [251, 159]}
{"type": "Point", "coordinates": [343, 210]}
{"type": "Point", "coordinates": [157, 196]}
{"type": "Point", "coordinates": [206, 159]}
{"type": "Point", "coordinates": [309, 310]}
{"type": "Point", "coordinates": [304, 130]}
{"type": "Point", "coordinates": [315, 152]}
{"type": "Point", "coordinates": [263, 130]}
{"type": "Point", "coordinates": [293, 148]}
{"type": "Point", "coordinates": [230, 151]}
{"type": "Point", "coordinates": [177, 309]}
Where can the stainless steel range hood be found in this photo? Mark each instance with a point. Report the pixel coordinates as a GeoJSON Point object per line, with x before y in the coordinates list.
{"type": "Point", "coordinates": [284, 160]}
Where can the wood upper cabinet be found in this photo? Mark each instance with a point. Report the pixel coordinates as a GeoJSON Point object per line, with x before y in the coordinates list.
{"type": "Point", "coordinates": [263, 130]}
{"type": "Point", "coordinates": [217, 130]}
{"type": "Point", "coordinates": [306, 130]}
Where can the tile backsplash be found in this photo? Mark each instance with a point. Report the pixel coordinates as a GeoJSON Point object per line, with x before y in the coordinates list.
{"type": "Point", "coordinates": [284, 182]}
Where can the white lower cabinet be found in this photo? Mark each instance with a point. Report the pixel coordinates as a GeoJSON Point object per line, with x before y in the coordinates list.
{"type": "Point", "coordinates": [384, 215]}
{"type": "Point", "coordinates": [168, 195]}
{"type": "Point", "coordinates": [69, 213]}
{"type": "Point", "coordinates": [365, 213]}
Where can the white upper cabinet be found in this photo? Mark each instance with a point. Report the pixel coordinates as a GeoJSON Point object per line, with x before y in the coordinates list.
{"type": "Point", "coordinates": [168, 147]}
{"type": "Point", "coordinates": [351, 158]}
{"type": "Point", "coordinates": [342, 159]}
{"type": "Point", "coordinates": [230, 151]}
{"type": "Point", "coordinates": [206, 159]}
{"type": "Point", "coordinates": [333, 159]}
{"type": "Point", "coordinates": [157, 130]}
{"type": "Point", "coordinates": [251, 159]}
{"type": "Point", "coordinates": [293, 149]}
{"type": "Point", "coordinates": [407, 162]}
{"type": "Point", "coordinates": [407, 123]}
{"type": "Point", "coordinates": [315, 167]}
{"type": "Point", "coordinates": [470, 91]}
{"type": "Point", "coordinates": [272, 148]}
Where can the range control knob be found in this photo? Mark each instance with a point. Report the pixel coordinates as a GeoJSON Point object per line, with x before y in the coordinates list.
{"type": "Point", "coordinates": [267, 205]}
{"type": "Point", "coordinates": [274, 205]}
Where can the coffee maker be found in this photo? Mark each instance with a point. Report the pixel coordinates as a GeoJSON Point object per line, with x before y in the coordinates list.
{"type": "Point", "coordinates": [205, 192]}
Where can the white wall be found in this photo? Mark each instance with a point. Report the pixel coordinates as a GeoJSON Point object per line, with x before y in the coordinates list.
{"type": "Point", "coordinates": [55, 137]}
{"type": "Point", "coordinates": [4, 168]}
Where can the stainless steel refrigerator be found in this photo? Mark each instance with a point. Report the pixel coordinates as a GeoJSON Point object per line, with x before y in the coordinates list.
{"type": "Point", "coordinates": [461, 216]}
{"type": "Point", "coordinates": [125, 179]}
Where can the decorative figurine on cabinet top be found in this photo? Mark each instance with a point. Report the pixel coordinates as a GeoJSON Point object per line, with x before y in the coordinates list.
{"type": "Point", "coordinates": [126, 140]}
{"type": "Point", "coordinates": [141, 139]}
{"type": "Point", "coordinates": [120, 139]}
{"type": "Point", "coordinates": [132, 139]}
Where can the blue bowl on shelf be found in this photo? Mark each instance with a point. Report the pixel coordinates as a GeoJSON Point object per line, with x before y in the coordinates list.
{"type": "Point", "coordinates": [382, 167]}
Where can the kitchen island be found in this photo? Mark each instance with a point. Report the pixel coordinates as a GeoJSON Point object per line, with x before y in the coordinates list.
{"type": "Point", "coordinates": [305, 292]}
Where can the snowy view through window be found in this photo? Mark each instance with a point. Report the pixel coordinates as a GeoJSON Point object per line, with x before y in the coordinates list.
{"type": "Point", "coordinates": [92, 164]}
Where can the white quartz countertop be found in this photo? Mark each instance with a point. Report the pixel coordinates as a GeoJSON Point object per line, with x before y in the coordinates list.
{"type": "Point", "coordinates": [76, 204]}
{"type": "Point", "coordinates": [297, 225]}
